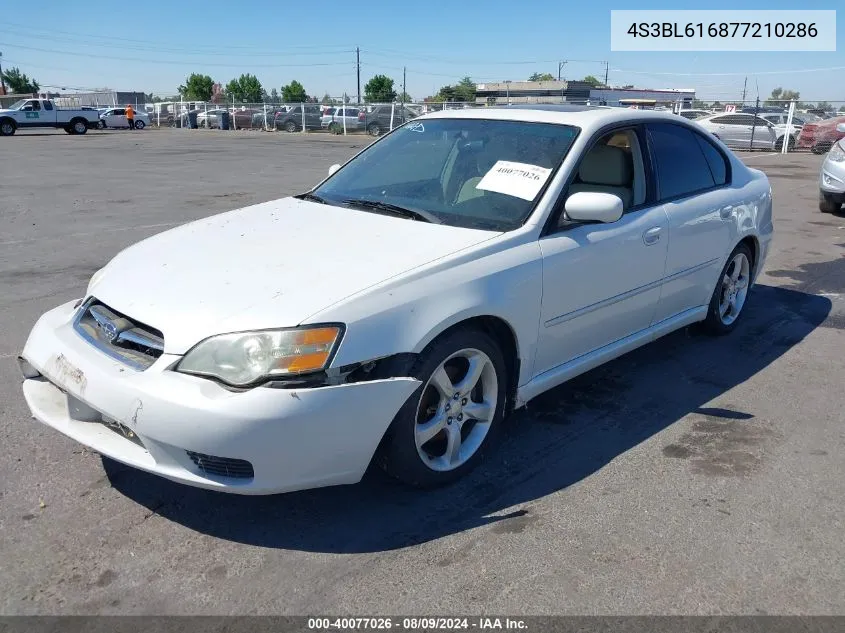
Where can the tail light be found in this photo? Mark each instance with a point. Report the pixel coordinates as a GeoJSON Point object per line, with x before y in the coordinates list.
{"type": "Point", "coordinates": [360, 116]}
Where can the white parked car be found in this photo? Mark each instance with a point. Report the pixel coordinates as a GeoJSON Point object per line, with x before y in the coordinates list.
{"type": "Point", "coordinates": [116, 118]}
{"type": "Point", "coordinates": [740, 130]}
{"type": "Point", "coordinates": [451, 271]}
{"type": "Point", "coordinates": [779, 120]}
{"type": "Point", "coordinates": [832, 176]}
{"type": "Point", "coordinates": [334, 118]}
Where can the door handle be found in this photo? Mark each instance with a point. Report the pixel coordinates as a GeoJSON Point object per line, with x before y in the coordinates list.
{"type": "Point", "coordinates": [726, 212]}
{"type": "Point", "coordinates": [652, 236]}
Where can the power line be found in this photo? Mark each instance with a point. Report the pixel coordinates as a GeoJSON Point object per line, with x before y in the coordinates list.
{"type": "Point", "coordinates": [169, 62]}
{"type": "Point", "coordinates": [739, 74]}
{"type": "Point", "coordinates": [151, 43]}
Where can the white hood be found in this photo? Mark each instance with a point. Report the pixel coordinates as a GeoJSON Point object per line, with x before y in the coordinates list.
{"type": "Point", "coordinates": [265, 266]}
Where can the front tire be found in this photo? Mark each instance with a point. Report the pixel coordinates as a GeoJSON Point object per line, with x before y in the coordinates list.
{"type": "Point", "coordinates": [374, 129]}
{"type": "Point", "coordinates": [290, 126]}
{"type": "Point", "coordinates": [731, 292]}
{"type": "Point", "coordinates": [7, 128]}
{"type": "Point", "coordinates": [820, 148]}
{"type": "Point", "coordinates": [444, 429]}
{"type": "Point", "coordinates": [828, 205]}
{"type": "Point", "coordinates": [139, 125]}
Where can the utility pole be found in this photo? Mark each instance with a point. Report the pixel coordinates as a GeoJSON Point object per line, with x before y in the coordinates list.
{"type": "Point", "coordinates": [606, 72]}
{"type": "Point", "coordinates": [560, 65]}
{"type": "Point", "coordinates": [358, 67]}
{"type": "Point", "coordinates": [403, 86]}
{"type": "Point", "coordinates": [2, 78]}
{"type": "Point", "coordinates": [745, 83]}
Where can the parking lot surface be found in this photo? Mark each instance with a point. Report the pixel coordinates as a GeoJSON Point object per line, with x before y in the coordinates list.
{"type": "Point", "coordinates": [693, 476]}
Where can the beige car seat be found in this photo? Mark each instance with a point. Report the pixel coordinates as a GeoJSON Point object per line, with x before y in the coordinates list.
{"type": "Point", "coordinates": [606, 169]}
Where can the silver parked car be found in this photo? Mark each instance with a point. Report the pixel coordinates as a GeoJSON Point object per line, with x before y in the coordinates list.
{"type": "Point", "coordinates": [694, 114]}
{"type": "Point", "coordinates": [779, 120]}
{"type": "Point", "coordinates": [736, 129]}
{"type": "Point", "coordinates": [832, 177]}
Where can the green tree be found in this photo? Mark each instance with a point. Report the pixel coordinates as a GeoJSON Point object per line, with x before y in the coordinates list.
{"type": "Point", "coordinates": [404, 97]}
{"type": "Point", "coordinates": [327, 99]}
{"type": "Point", "coordinates": [780, 95]}
{"type": "Point", "coordinates": [465, 90]}
{"type": "Point", "coordinates": [197, 88]}
{"type": "Point", "coordinates": [593, 81]}
{"type": "Point", "coordinates": [274, 96]}
{"type": "Point", "coordinates": [294, 92]}
{"type": "Point", "coordinates": [541, 77]}
{"type": "Point", "coordinates": [379, 89]}
{"type": "Point", "coordinates": [825, 106]}
{"type": "Point", "coordinates": [18, 82]}
{"type": "Point", "coordinates": [245, 88]}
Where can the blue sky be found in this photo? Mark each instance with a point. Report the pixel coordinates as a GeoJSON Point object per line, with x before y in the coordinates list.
{"type": "Point", "coordinates": [152, 46]}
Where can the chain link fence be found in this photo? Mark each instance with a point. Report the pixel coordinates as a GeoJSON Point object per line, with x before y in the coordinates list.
{"type": "Point", "coordinates": [773, 126]}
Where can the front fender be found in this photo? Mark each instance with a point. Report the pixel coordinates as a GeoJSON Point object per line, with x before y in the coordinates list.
{"type": "Point", "coordinates": [405, 315]}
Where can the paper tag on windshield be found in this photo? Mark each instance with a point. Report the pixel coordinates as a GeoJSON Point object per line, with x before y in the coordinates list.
{"type": "Point", "coordinates": [520, 180]}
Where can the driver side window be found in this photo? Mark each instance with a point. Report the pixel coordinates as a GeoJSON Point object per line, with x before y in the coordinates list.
{"type": "Point", "coordinates": [614, 165]}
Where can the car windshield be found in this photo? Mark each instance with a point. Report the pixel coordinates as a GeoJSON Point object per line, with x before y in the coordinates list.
{"type": "Point", "coordinates": [475, 173]}
{"type": "Point", "coordinates": [17, 104]}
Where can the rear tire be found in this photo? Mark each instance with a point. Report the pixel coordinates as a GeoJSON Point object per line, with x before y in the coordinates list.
{"type": "Point", "coordinates": [140, 125]}
{"type": "Point", "coordinates": [7, 128]}
{"type": "Point", "coordinates": [78, 126]}
{"type": "Point", "coordinates": [828, 205]}
{"type": "Point", "coordinates": [438, 437]}
{"type": "Point", "coordinates": [820, 148]}
{"type": "Point", "coordinates": [374, 129]}
{"type": "Point", "coordinates": [291, 126]}
{"type": "Point", "coordinates": [731, 292]}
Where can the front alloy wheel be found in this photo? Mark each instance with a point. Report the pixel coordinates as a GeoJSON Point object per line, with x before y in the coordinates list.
{"type": "Point", "coordinates": [456, 410]}
{"type": "Point", "coordinates": [443, 429]}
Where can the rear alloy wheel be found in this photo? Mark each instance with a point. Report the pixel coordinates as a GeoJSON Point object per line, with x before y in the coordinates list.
{"type": "Point", "coordinates": [290, 126]}
{"type": "Point", "coordinates": [374, 129]}
{"type": "Point", "coordinates": [443, 429]}
{"type": "Point", "coordinates": [139, 125]}
{"type": "Point", "coordinates": [79, 126]}
{"type": "Point", "coordinates": [827, 204]}
{"type": "Point", "coordinates": [731, 291]}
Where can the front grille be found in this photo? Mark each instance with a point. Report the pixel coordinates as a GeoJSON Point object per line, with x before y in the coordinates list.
{"type": "Point", "coordinates": [129, 341]}
{"type": "Point", "coordinates": [222, 466]}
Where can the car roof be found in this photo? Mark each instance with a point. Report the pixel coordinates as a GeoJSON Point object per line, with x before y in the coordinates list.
{"type": "Point", "coordinates": [583, 116]}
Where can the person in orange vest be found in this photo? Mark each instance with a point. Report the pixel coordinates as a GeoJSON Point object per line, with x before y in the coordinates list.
{"type": "Point", "coordinates": [130, 116]}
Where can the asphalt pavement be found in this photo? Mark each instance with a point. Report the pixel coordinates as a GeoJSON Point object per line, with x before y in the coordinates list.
{"type": "Point", "coordinates": [693, 476]}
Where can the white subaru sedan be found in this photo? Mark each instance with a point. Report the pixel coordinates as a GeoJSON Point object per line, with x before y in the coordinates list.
{"type": "Point", "coordinates": [397, 312]}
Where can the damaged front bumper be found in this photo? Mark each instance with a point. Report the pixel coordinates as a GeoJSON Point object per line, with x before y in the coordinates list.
{"type": "Point", "coordinates": [194, 431]}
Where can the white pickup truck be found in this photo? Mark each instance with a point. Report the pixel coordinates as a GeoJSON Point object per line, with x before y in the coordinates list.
{"type": "Point", "coordinates": [28, 113]}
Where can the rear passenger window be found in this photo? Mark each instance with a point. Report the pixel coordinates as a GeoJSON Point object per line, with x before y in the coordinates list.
{"type": "Point", "coordinates": [715, 159]}
{"type": "Point", "coordinates": [679, 160]}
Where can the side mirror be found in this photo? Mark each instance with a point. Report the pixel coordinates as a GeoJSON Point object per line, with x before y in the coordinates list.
{"type": "Point", "coordinates": [840, 127]}
{"type": "Point", "coordinates": [333, 168]}
{"type": "Point", "coordinates": [592, 206]}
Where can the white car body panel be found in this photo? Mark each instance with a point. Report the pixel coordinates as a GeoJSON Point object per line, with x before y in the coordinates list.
{"type": "Point", "coordinates": [267, 260]}
{"type": "Point", "coordinates": [571, 299]}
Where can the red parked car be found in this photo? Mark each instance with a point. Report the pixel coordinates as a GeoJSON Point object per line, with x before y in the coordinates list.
{"type": "Point", "coordinates": [821, 136]}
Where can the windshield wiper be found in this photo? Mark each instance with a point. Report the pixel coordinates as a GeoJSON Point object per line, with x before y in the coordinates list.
{"type": "Point", "coordinates": [312, 197]}
{"type": "Point", "coordinates": [402, 212]}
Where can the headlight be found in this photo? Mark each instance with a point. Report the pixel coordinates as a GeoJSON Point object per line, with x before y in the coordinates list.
{"type": "Point", "coordinates": [836, 153]}
{"type": "Point", "coordinates": [245, 358]}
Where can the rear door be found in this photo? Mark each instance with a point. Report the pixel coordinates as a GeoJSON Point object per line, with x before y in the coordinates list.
{"type": "Point", "coordinates": [693, 185]}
